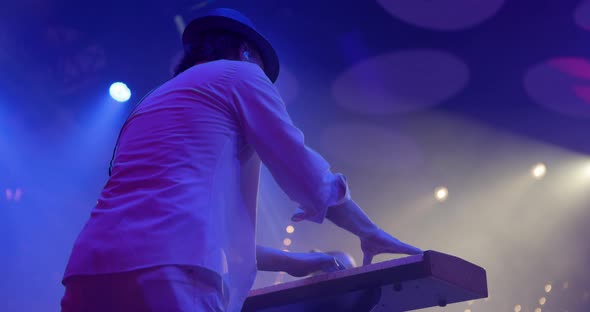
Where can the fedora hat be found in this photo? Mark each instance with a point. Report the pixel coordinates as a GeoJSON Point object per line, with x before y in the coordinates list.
{"type": "Point", "coordinates": [232, 20]}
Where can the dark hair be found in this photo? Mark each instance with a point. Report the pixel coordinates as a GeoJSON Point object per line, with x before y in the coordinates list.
{"type": "Point", "coordinates": [210, 46]}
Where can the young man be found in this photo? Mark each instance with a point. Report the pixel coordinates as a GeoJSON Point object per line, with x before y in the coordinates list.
{"type": "Point", "coordinates": [173, 229]}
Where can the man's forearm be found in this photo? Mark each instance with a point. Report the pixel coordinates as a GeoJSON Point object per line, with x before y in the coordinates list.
{"type": "Point", "coordinates": [351, 217]}
{"type": "Point", "coordinates": [270, 259]}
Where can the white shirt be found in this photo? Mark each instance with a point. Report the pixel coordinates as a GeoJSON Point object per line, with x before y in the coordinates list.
{"type": "Point", "coordinates": [184, 185]}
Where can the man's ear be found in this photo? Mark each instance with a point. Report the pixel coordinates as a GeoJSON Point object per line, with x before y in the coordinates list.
{"type": "Point", "coordinates": [244, 52]}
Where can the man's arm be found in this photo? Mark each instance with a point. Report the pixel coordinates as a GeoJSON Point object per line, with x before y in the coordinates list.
{"type": "Point", "coordinates": [374, 241]}
{"type": "Point", "coordinates": [293, 263]}
{"type": "Point", "coordinates": [301, 172]}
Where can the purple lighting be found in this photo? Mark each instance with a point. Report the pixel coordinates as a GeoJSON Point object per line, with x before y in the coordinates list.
{"type": "Point", "coordinates": [582, 15]}
{"type": "Point", "coordinates": [442, 14]}
{"type": "Point", "coordinates": [401, 82]}
{"type": "Point", "coordinates": [562, 85]}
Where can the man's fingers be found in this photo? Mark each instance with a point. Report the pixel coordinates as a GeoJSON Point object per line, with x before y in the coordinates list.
{"type": "Point", "coordinates": [414, 251]}
{"type": "Point", "coordinates": [367, 258]}
{"type": "Point", "coordinates": [404, 249]}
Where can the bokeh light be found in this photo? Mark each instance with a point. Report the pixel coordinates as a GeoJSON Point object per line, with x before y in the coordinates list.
{"type": "Point", "coordinates": [441, 193]}
{"type": "Point", "coordinates": [542, 300]}
{"type": "Point", "coordinates": [290, 229]}
{"type": "Point", "coordinates": [582, 15]}
{"type": "Point", "coordinates": [18, 194]}
{"type": "Point", "coordinates": [538, 310]}
{"type": "Point", "coordinates": [569, 78]}
{"type": "Point", "coordinates": [517, 308]}
{"type": "Point", "coordinates": [120, 92]}
{"type": "Point", "coordinates": [548, 288]}
{"type": "Point", "coordinates": [538, 171]}
{"type": "Point", "coordinates": [287, 242]}
{"type": "Point", "coordinates": [442, 14]}
{"type": "Point", "coordinates": [401, 82]}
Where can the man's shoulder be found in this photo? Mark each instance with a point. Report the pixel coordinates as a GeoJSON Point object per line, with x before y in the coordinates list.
{"type": "Point", "coordinates": [236, 70]}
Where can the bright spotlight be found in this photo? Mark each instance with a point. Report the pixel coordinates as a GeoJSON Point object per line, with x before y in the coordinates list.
{"type": "Point", "coordinates": [290, 229]}
{"type": "Point", "coordinates": [542, 301]}
{"type": "Point", "coordinates": [517, 308]}
{"type": "Point", "coordinates": [287, 242]}
{"type": "Point", "coordinates": [120, 92]}
{"type": "Point", "coordinates": [538, 171]}
{"type": "Point", "coordinates": [548, 288]}
{"type": "Point", "coordinates": [441, 193]}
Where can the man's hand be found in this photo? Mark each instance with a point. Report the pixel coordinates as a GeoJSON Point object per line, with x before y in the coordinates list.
{"type": "Point", "coordinates": [303, 264]}
{"type": "Point", "coordinates": [295, 263]}
{"type": "Point", "coordinates": [379, 242]}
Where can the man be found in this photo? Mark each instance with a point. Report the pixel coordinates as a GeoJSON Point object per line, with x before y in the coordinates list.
{"type": "Point", "coordinates": [173, 229]}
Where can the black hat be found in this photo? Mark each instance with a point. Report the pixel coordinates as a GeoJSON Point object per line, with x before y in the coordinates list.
{"type": "Point", "coordinates": [232, 20]}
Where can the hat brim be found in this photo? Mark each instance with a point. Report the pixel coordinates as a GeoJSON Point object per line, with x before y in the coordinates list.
{"type": "Point", "coordinates": [207, 23]}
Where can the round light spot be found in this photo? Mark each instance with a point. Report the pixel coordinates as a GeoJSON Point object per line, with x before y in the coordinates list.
{"type": "Point", "coordinates": [517, 308]}
{"type": "Point", "coordinates": [9, 194]}
{"type": "Point", "coordinates": [538, 310]}
{"type": "Point", "coordinates": [120, 92]}
{"type": "Point", "coordinates": [562, 85]}
{"type": "Point", "coordinates": [287, 242]}
{"type": "Point", "coordinates": [18, 194]}
{"type": "Point", "coordinates": [538, 171]}
{"type": "Point", "coordinates": [467, 310]}
{"type": "Point", "coordinates": [548, 288]}
{"type": "Point", "coordinates": [542, 300]}
{"type": "Point", "coordinates": [442, 14]}
{"type": "Point", "coordinates": [400, 82]}
{"type": "Point", "coordinates": [441, 193]}
{"type": "Point", "coordinates": [290, 229]}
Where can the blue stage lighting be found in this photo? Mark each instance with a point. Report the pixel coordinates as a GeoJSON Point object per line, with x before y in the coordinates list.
{"type": "Point", "coordinates": [120, 92]}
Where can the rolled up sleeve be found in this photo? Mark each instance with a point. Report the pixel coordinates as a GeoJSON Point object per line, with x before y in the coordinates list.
{"type": "Point", "coordinates": [300, 171]}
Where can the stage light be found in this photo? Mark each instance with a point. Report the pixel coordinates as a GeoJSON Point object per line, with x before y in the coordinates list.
{"type": "Point", "coordinates": [290, 229]}
{"type": "Point", "coordinates": [517, 308]}
{"type": "Point", "coordinates": [441, 193]}
{"type": "Point", "coordinates": [467, 310]}
{"type": "Point", "coordinates": [542, 300]}
{"type": "Point", "coordinates": [548, 288]}
{"type": "Point", "coordinates": [538, 310]}
{"type": "Point", "coordinates": [18, 194]}
{"type": "Point", "coordinates": [538, 171]}
{"type": "Point", "coordinates": [120, 92]}
{"type": "Point", "coordinates": [287, 242]}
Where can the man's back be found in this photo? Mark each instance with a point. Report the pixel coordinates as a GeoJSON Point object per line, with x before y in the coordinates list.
{"type": "Point", "coordinates": [183, 185]}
